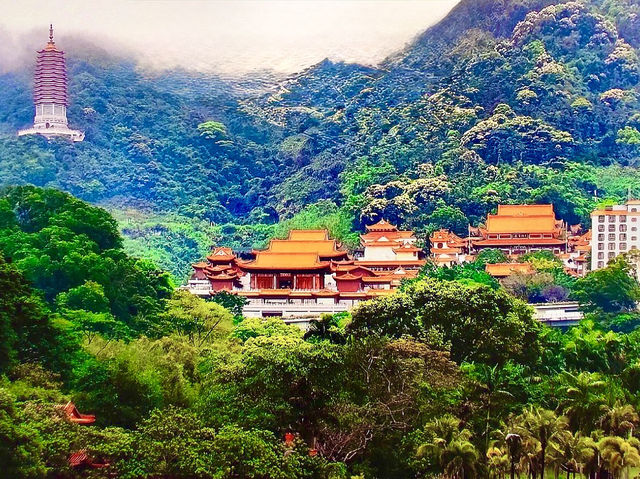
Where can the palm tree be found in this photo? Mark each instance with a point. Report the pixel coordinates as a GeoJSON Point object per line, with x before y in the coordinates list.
{"type": "Point", "coordinates": [511, 444]}
{"type": "Point", "coordinates": [539, 428]}
{"type": "Point", "coordinates": [459, 459]}
{"type": "Point", "coordinates": [491, 383]}
{"type": "Point", "coordinates": [572, 452]}
{"type": "Point", "coordinates": [619, 455]}
{"type": "Point", "coordinates": [620, 420]}
{"type": "Point", "coordinates": [498, 462]}
{"type": "Point", "coordinates": [584, 399]}
{"type": "Point", "coordinates": [450, 447]}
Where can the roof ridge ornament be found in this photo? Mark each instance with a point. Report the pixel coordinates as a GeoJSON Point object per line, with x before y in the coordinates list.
{"type": "Point", "coordinates": [51, 33]}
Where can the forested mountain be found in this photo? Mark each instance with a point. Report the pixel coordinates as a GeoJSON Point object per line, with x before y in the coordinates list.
{"type": "Point", "coordinates": [502, 101]}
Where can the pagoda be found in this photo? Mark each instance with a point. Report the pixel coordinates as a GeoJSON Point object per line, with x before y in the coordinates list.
{"type": "Point", "coordinates": [50, 95]}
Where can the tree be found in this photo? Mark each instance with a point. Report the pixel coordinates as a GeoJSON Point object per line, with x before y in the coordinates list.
{"type": "Point", "coordinates": [583, 399]}
{"type": "Point", "coordinates": [195, 318]}
{"type": "Point", "coordinates": [492, 384]}
{"type": "Point", "coordinates": [572, 452]}
{"type": "Point", "coordinates": [497, 462]}
{"type": "Point", "coordinates": [619, 455]}
{"type": "Point", "coordinates": [450, 446]}
{"type": "Point", "coordinates": [540, 428]}
{"type": "Point", "coordinates": [608, 290]}
{"type": "Point", "coordinates": [619, 420]}
{"type": "Point", "coordinates": [20, 448]}
{"type": "Point", "coordinates": [27, 331]}
{"type": "Point", "coordinates": [491, 256]}
{"type": "Point", "coordinates": [479, 323]}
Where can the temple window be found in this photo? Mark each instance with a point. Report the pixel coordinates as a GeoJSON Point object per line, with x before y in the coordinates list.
{"type": "Point", "coordinates": [304, 282]}
{"type": "Point", "coordinates": [600, 219]}
{"type": "Point", "coordinates": [265, 281]}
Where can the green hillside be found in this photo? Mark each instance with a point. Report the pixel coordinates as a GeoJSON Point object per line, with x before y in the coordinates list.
{"type": "Point", "coordinates": [502, 101]}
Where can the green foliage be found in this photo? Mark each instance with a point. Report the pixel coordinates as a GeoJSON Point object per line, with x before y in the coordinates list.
{"type": "Point", "coordinates": [610, 290]}
{"type": "Point", "coordinates": [322, 215]}
{"type": "Point", "coordinates": [72, 252]}
{"type": "Point", "coordinates": [478, 322]}
{"type": "Point", "coordinates": [467, 273]}
{"type": "Point", "coordinates": [20, 449]}
{"type": "Point", "coordinates": [491, 256]}
{"type": "Point", "coordinates": [196, 319]}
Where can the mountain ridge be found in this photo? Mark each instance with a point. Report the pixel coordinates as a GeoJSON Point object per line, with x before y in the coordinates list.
{"type": "Point", "coordinates": [501, 102]}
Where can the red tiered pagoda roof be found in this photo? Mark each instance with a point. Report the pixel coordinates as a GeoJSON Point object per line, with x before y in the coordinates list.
{"type": "Point", "coordinates": [50, 80]}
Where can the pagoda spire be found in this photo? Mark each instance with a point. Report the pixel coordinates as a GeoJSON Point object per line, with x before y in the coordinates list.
{"type": "Point", "coordinates": [50, 94]}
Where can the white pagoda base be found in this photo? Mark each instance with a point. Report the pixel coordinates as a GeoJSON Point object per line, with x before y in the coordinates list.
{"type": "Point", "coordinates": [53, 131]}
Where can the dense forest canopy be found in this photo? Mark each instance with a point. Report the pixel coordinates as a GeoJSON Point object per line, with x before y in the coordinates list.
{"type": "Point", "coordinates": [502, 101]}
{"type": "Point", "coordinates": [431, 380]}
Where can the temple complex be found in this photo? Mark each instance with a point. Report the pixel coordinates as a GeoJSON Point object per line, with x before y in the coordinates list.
{"type": "Point", "coordinates": [520, 229]}
{"type": "Point", "coordinates": [516, 230]}
{"type": "Point", "coordinates": [309, 273]}
{"type": "Point", "coordinates": [50, 95]}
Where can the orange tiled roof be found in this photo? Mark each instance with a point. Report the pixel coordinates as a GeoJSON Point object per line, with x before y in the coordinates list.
{"type": "Point", "coordinates": [308, 235]}
{"type": "Point", "coordinates": [374, 293]}
{"type": "Point", "coordinates": [223, 277]}
{"type": "Point", "coordinates": [520, 224]}
{"type": "Point", "coordinates": [382, 225]}
{"type": "Point", "coordinates": [323, 248]}
{"type": "Point", "coordinates": [387, 264]}
{"type": "Point", "coordinates": [390, 235]}
{"type": "Point", "coordinates": [506, 269]}
{"type": "Point", "coordinates": [346, 277]}
{"type": "Point", "coordinates": [445, 259]}
{"type": "Point", "coordinates": [284, 261]}
{"type": "Point", "coordinates": [519, 242]}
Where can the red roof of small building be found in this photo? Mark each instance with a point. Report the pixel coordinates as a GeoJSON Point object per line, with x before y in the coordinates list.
{"type": "Point", "coordinates": [72, 413]}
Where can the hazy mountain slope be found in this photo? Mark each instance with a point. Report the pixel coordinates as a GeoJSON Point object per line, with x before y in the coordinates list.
{"type": "Point", "coordinates": [502, 101]}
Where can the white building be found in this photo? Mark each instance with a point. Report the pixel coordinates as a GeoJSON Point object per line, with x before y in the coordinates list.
{"type": "Point", "coordinates": [615, 230]}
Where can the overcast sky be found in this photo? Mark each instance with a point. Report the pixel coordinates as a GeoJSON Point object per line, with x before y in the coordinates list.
{"type": "Point", "coordinates": [227, 36]}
